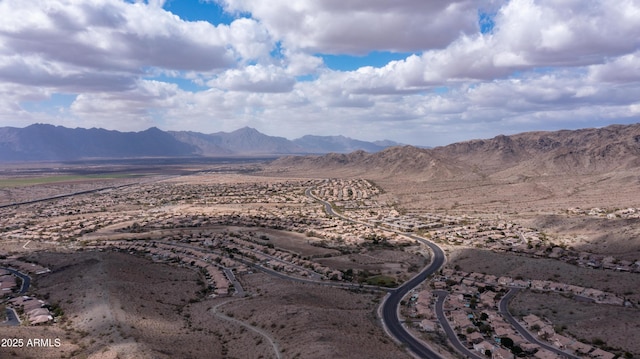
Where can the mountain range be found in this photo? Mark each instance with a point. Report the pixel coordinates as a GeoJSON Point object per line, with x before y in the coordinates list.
{"type": "Point", "coordinates": [613, 148]}
{"type": "Point", "coordinates": [42, 142]}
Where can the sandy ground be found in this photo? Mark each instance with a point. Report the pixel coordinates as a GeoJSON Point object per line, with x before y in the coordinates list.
{"type": "Point", "coordinates": [311, 321]}
{"type": "Point", "coordinates": [616, 237]}
{"type": "Point", "coordinates": [517, 195]}
{"type": "Point", "coordinates": [616, 326]}
{"type": "Point", "coordinates": [398, 264]}
{"type": "Point", "coordinates": [121, 306]}
{"type": "Point", "coordinates": [118, 305]}
{"type": "Point", "coordinates": [294, 242]}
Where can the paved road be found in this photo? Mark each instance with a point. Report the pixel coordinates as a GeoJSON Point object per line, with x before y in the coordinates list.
{"type": "Point", "coordinates": [239, 291]}
{"type": "Point", "coordinates": [327, 283]}
{"type": "Point", "coordinates": [310, 273]}
{"type": "Point", "coordinates": [390, 306]}
{"type": "Point", "coordinates": [26, 280]}
{"type": "Point", "coordinates": [95, 190]}
{"type": "Point", "coordinates": [12, 316]}
{"type": "Point", "coordinates": [451, 334]}
{"type": "Point", "coordinates": [389, 310]}
{"type": "Point", "coordinates": [282, 275]}
{"type": "Point", "coordinates": [327, 205]}
{"type": "Point", "coordinates": [15, 204]}
{"type": "Point", "coordinates": [504, 310]}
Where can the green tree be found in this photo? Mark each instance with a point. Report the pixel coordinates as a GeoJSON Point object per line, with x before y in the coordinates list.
{"type": "Point", "coordinates": [516, 350]}
{"type": "Point", "coordinates": [506, 342]}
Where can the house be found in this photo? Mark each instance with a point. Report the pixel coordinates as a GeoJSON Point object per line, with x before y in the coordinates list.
{"type": "Point", "coordinates": [601, 354]}
{"type": "Point", "coordinates": [38, 311]}
{"type": "Point", "coordinates": [483, 346]}
{"type": "Point", "coordinates": [474, 338]}
{"type": "Point", "coordinates": [501, 353]}
{"type": "Point", "coordinates": [560, 341]}
{"type": "Point", "coordinates": [545, 354]}
{"type": "Point", "coordinates": [546, 331]}
{"type": "Point", "coordinates": [468, 281]}
{"type": "Point", "coordinates": [7, 282]}
{"type": "Point", "coordinates": [428, 325]}
{"type": "Point", "coordinates": [40, 319]}
{"type": "Point", "coordinates": [487, 299]}
{"type": "Point", "coordinates": [529, 347]}
{"type": "Point", "coordinates": [520, 283]}
{"type": "Point", "coordinates": [490, 279]}
{"type": "Point", "coordinates": [580, 348]}
{"type": "Point", "coordinates": [460, 320]}
{"type": "Point", "coordinates": [440, 285]}
{"type": "Point", "coordinates": [533, 321]}
{"type": "Point", "coordinates": [539, 284]}
{"type": "Point", "coordinates": [502, 330]}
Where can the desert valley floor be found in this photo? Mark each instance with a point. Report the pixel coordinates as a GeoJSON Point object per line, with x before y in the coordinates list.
{"type": "Point", "coordinates": [254, 261]}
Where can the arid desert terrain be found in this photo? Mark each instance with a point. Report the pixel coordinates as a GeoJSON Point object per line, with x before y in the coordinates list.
{"type": "Point", "coordinates": [298, 258]}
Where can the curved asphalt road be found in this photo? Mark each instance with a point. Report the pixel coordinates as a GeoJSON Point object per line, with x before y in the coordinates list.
{"type": "Point", "coordinates": [12, 316]}
{"type": "Point", "coordinates": [390, 305]}
{"type": "Point", "coordinates": [504, 310]}
{"type": "Point", "coordinates": [26, 280]}
{"type": "Point", "coordinates": [451, 334]}
{"type": "Point", "coordinates": [281, 275]}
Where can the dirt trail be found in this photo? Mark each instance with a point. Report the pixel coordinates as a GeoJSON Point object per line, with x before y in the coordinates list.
{"type": "Point", "coordinates": [257, 330]}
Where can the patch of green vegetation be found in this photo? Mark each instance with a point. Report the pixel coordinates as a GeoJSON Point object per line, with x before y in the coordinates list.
{"type": "Point", "coordinates": [30, 181]}
{"type": "Point", "coordinates": [382, 281]}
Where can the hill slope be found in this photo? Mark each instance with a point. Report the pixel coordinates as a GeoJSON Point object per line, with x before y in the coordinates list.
{"type": "Point", "coordinates": [528, 172]}
{"type": "Point", "coordinates": [534, 153]}
{"type": "Point", "coordinates": [339, 144]}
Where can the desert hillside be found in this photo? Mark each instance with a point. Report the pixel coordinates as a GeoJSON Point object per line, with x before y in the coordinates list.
{"type": "Point", "coordinates": [528, 171]}
{"type": "Point", "coordinates": [586, 151]}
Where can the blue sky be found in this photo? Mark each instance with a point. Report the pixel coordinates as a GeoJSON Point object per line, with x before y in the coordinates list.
{"type": "Point", "coordinates": [198, 10]}
{"type": "Point", "coordinates": [414, 71]}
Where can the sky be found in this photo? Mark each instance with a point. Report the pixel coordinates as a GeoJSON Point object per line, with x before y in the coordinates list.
{"type": "Point", "coordinates": [421, 72]}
